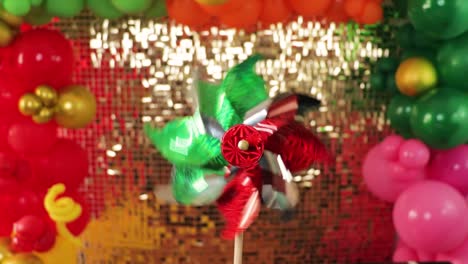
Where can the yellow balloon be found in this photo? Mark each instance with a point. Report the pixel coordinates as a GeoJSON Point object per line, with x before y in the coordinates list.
{"type": "Point", "coordinates": [22, 259]}
{"type": "Point", "coordinates": [30, 104]}
{"type": "Point", "coordinates": [64, 251]}
{"type": "Point", "coordinates": [47, 94]}
{"type": "Point", "coordinates": [12, 20]}
{"type": "Point", "coordinates": [415, 76]}
{"type": "Point", "coordinates": [44, 116]}
{"type": "Point", "coordinates": [76, 107]}
{"type": "Point", "coordinates": [4, 249]}
{"type": "Point", "coordinates": [6, 34]}
{"type": "Point", "coordinates": [211, 2]}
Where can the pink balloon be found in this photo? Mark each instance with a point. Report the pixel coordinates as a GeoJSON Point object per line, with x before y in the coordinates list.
{"type": "Point", "coordinates": [451, 167]}
{"type": "Point", "coordinates": [431, 217]}
{"type": "Point", "coordinates": [393, 165]}
{"type": "Point", "coordinates": [457, 256]}
{"type": "Point", "coordinates": [403, 253]}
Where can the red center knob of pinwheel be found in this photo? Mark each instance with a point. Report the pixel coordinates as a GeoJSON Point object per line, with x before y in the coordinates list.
{"type": "Point", "coordinates": [242, 146]}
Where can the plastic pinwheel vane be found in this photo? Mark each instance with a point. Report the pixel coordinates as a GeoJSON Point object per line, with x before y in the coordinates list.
{"type": "Point", "coordinates": [239, 149]}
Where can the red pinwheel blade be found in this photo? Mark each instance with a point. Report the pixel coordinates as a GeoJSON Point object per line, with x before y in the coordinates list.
{"type": "Point", "coordinates": [240, 202]}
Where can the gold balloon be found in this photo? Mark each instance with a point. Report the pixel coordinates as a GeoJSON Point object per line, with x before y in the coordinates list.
{"type": "Point", "coordinates": [415, 76]}
{"type": "Point", "coordinates": [6, 34]}
{"type": "Point", "coordinates": [30, 104]}
{"type": "Point", "coordinates": [44, 115]}
{"type": "Point", "coordinates": [4, 249]}
{"type": "Point", "coordinates": [47, 95]}
{"type": "Point", "coordinates": [76, 107]}
{"type": "Point", "coordinates": [23, 259]}
{"type": "Point", "coordinates": [10, 19]}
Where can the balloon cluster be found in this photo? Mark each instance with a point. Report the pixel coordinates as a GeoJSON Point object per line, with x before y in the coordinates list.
{"type": "Point", "coordinates": [239, 149]}
{"type": "Point", "coordinates": [200, 14]}
{"type": "Point", "coordinates": [424, 171]}
{"type": "Point", "coordinates": [39, 172]}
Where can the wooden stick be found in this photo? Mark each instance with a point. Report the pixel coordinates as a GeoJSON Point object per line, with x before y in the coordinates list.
{"type": "Point", "coordinates": [238, 248]}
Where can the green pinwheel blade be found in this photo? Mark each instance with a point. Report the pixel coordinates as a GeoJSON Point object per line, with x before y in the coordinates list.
{"type": "Point", "coordinates": [244, 88]}
{"type": "Point", "coordinates": [195, 186]}
{"type": "Point", "coordinates": [184, 142]}
{"type": "Point", "coordinates": [213, 103]}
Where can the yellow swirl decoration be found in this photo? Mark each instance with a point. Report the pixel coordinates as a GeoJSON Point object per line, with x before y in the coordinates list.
{"type": "Point", "coordinates": [62, 210]}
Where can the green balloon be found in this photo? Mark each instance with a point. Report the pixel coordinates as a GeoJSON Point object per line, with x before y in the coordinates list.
{"type": "Point", "coordinates": [132, 6]}
{"type": "Point", "coordinates": [429, 54]}
{"type": "Point", "coordinates": [17, 7]}
{"type": "Point", "coordinates": [65, 9]}
{"type": "Point", "coordinates": [158, 9]}
{"type": "Point", "coordinates": [401, 6]}
{"type": "Point", "coordinates": [38, 16]}
{"type": "Point", "coordinates": [452, 62]}
{"type": "Point", "coordinates": [440, 118]}
{"type": "Point", "coordinates": [36, 2]}
{"type": "Point", "coordinates": [194, 186]}
{"type": "Point", "coordinates": [377, 81]}
{"type": "Point", "coordinates": [404, 36]}
{"type": "Point", "coordinates": [104, 9]}
{"type": "Point", "coordinates": [439, 19]}
{"type": "Point", "coordinates": [399, 113]}
{"type": "Point", "coordinates": [391, 85]}
{"type": "Point", "coordinates": [387, 65]}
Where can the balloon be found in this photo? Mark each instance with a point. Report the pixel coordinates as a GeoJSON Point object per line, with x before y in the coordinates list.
{"type": "Point", "coordinates": [41, 57]}
{"type": "Point", "coordinates": [452, 61]}
{"type": "Point", "coordinates": [10, 19]}
{"type": "Point", "coordinates": [5, 249]}
{"type": "Point", "coordinates": [399, 113]}
{"type": "Point", "coordinates": [229, 6]}
{"type": "Point", "coordinates": [440, 118]}
{"type": "Point", "coordinates": [456, 256]}
{"type": "Point", "coordinates": [187, 12]}
{"type": "Point", "coordinates": [430, 216]}
{"type": "Point", "coordinates": [354, 8]}
{"type": "Point", "coordinates": [274, 11]}
{"type": "Point", "coordinates": [157, 9]}
{"type": "Point", "coordinates": [78, 226]}
{"type": "Point", "coordinates": [309, 8]}
{"type": "Point", "coordinates": [29, 203]}
{"type": "Point", "coordinates": [403, 253]}
{"type": "Point", "coordinates": [33, 233]}
{"type": "Point", "coordinates": [30, 139]}
{"type": "Point", "coordinates": [47, 95]}
{"type": "Point", "coordinates": [22, 259]}
{"type": "Point", "coordinates": [394, 165]}
{"type": "Point", "coordinates": [250, 13]}
{"type": "Point", "coordinates": [415, 76]}
{"type": "Point", "coordinates": [371, 14]}
{"type": "Point", "coordinates": [76, 107]}
{"type": "Point", "coordinates": [132, 7]}
{"type": "Point", "coordinates": [451, 167]}
{"type": "Point", "coordinates": [60, 8]}
{"type": "Point", "coordinates": [439, 19]}
{"type": "Point", "coordinates": [378, 81]}
{"type": "Point", "coordinates": [211, 2]}
{"type": "Point", "coordinates": [336, 13]}
{"type": "Point", "coordinates": [104, 9]}
{"type": "Point", "coordinates": [11, 90]}
{"type": "Point", "coordinates": [17, 7]}
{"type": "Point", "coordinates": [404, 36]}
{"type": "Point", "coordinates": [6, 34]}
{"type": "Point", "coordinates": [29, 104]}
{"type": "Point", "coordinates": [66, 163]}
{"type": "Point", "coordinates": [426, 53]}
{"type": "Point", "coordinates": [387, 65]}
{"type": "Point", "coordinates": [63, 249]}
{"type": "Point", "coordinates": [38, 16]}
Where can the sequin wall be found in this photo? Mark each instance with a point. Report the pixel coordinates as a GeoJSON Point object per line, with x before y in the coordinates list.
{"type": "Point", "coordinates": [141, 71]}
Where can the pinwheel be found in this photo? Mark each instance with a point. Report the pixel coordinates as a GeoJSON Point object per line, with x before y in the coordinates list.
{"type": "Point", "coordinates": [239, 149]}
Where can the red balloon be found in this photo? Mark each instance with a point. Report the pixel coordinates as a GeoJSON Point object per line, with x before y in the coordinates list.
{"type": "Point", "coordinates": [11, 90]}
{"type": "Point", "coordinates": [244, 18]}
{"type": "Point", "coordinates": [79, 225]}
{"type": "Point", "coordinates": [8, 212]}
{"type": "Point", "coordinates": [337, 13]}
{"type": "Point", "coordinates": [66, 163]}
{"type": "Point", "coordinates": [30, 139]}
{"type": "Point", "coordinates": [308, 8]}
{"type": "Point", "coordinates": [33, 233]}
{"type": "Point", "coordinates": [41, 57]}
{"type": "Point", "coordinates": [6, 120]}
{"type": "Point", "coordinates": [188, 12]}
{"type": "Point", "coordinates": [275, 11]}
{"type": "Point", "coordinates": [30, 203]}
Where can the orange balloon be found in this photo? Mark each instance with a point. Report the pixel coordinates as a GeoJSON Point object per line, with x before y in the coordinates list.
{"type": "Point", "coordinates": [337, 13]}
{"type": "Point", "coordinates": [187, 12]}
{"type": "Point", "coordinates": [372, 13]}
{"type": "Point", "coordinates": [354, 8]}
{"type": "Point", "coordinates": [275, 11]}
{"type": "Point", "coordinates": [230, 6]}
{"type": "Point", "coordinates": [244, 18]}
{"type": "Point", "coordinates": [309, 8]}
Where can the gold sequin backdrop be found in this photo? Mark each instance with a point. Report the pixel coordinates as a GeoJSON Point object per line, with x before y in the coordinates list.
{"type": "Point", "coordinates": [141, 72]}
